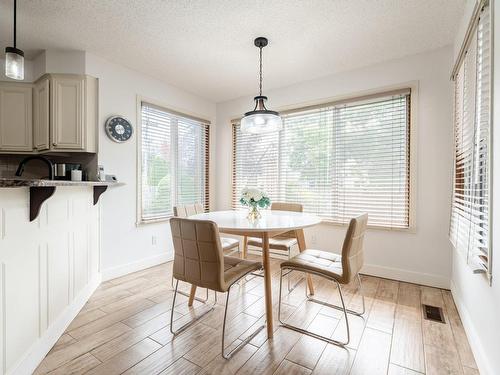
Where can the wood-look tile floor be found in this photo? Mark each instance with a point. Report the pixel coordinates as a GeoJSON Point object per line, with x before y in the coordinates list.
{"type": "Point", "coordinates": [124, 328]}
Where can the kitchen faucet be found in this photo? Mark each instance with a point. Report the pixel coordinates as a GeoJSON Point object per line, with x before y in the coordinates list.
{"type": "Point", "coordinates": [22, 164]}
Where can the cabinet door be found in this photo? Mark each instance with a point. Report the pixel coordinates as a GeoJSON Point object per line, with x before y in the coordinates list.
{"type": "Point", "coordinates": [41, 118]}
{"type": "Point", "coordinates": [67, 115]}
{"type": "Point", "coordinates": [16, 126]}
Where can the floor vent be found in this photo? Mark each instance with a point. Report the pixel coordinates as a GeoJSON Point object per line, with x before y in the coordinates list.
{"type": "Point", "coordinates": [433, 313]}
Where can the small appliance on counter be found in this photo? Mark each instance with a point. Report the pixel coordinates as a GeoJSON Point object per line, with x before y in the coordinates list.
{"type": "Point", "coordinates": [63, 171]}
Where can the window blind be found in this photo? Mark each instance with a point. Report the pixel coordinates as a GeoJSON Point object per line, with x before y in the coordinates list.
{"type": "Point", "coordinates": [174, 162]}
{"type": "Point", "coordinates": [470, 224]}
{"type": "Point", "coordinates": [338, 160]}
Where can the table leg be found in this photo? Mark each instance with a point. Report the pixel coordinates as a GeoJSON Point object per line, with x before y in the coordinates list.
{"type": "Point", "coordinates": [245, 247]}
{"type": "Point", "coordinates": [192, 294]}
{"type": "Point", "coordinates": [267, 285]}
{"type": "Point", "coordinates": [299, 234]}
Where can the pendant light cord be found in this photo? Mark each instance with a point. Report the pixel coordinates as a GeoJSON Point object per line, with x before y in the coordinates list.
{"type": "Point", "coordinates": [260, 82]}
{"type": "Point", "coordinates": [15, 22]}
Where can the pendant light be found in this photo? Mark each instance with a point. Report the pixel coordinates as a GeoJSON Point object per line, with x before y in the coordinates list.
{"type": "Point", "coordinates": [14, 57]}
{"type": "Point", "coordinates": [261, 120]}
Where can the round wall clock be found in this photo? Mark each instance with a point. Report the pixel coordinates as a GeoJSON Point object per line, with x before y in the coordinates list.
{"type": "Point", "coordinates": [118, 129]}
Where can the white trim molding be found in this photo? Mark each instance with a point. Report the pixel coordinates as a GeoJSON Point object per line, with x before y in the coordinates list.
{"type": "Point", "coordinates": [482, 361]}
{"type": "Point", "coordinates": [124, 269]}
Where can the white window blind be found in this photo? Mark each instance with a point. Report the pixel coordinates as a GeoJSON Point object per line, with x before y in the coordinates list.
{"type": "Point", "coordinates": [174, 162]}
{"type": "Point", "coordinates": [338, 160]}
{"type": "Point", "coordinates": [470, 224]}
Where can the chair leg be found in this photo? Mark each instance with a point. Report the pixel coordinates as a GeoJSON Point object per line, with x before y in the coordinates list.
{"type": "Point", "coordinates": [188, 324]}
{"type": "Point", "coordinates": [357, 313]}
{"type": "Point", "coordinates": [312, 334]}
{"type": "Point", "coordinates": [242, 344]}
{"type": "Point", "coordinates": [187, 295]}
{"type": "Point", "coordinates": [290, 289]}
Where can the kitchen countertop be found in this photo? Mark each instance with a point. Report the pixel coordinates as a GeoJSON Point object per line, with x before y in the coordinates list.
{"type": "Point", "coordinates": [28, 182]}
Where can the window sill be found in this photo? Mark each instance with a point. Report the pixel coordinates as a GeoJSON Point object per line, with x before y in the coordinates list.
{"type": "Point", "coordinates": [141, 223]}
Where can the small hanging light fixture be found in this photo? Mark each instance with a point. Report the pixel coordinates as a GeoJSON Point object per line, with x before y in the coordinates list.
{"type": "Point", "coordinates": [261, 120]}
{"type": "Point", "coordinates": [14, 57]}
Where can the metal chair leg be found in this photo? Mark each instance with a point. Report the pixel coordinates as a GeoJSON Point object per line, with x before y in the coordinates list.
{"type": "Point", "coordinates": [187, 295]}
{"type": "Point", "coordinates": [188, 324]}
{"type": "Point", "coordinates": [312, 334]}
{"type": "Point", "coordinates": [242, 344]}
{"type": "Point", "coordinates": [290, 289]}
{"type": "Point", "coordinates": [357, 313]}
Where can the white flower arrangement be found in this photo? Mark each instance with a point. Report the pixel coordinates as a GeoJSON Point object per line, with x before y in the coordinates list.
{"type": "Point", "coordinates": [253, 197]}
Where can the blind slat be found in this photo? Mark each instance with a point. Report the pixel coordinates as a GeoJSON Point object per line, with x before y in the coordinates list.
{"type": "Point", "coordinates": [469, 225]}
{"type": "Point", "coordinates": [338, 161]}
{"type": "Point", "coordinates": [174, 168]}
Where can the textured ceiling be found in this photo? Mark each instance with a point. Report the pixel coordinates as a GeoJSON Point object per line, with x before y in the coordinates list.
{"type": "Point", "coordinates": [206, 47]}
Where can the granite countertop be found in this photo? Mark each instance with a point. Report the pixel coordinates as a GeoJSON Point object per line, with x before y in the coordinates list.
{"type": "Point", "coordinates": [31, 182]}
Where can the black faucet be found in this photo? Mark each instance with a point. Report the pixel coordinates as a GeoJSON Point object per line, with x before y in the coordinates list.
{"type": "Point", "coordinates": [23, 162]}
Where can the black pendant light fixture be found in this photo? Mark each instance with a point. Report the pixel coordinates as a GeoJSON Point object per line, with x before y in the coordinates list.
{"type": "Point", "coordinates": [261, 119]}
{"type": "Point", "coordinates": [14, 57]}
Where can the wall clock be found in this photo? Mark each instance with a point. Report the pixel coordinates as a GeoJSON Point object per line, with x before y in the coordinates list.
{"type": "Point", "coordinates": [118, 129]}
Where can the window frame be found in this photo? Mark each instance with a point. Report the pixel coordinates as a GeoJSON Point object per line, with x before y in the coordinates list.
{"type": "Point", "coordinates": [139, 157]}
{"type": "Point", "coordinates": [413, 87]}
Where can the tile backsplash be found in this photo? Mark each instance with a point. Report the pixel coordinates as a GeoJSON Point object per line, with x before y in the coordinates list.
{"type": "Point", "coordinates": [38, 169]}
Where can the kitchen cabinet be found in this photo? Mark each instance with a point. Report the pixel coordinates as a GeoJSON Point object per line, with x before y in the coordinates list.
{"type": "Point", "coordinates": [16, 122]}
{"type": "Point", "coordinates": [41, 118]}
{"type": "Point", "coordinates": [58, 113]}
{"type": "Point", "coordinates": [73, 112]}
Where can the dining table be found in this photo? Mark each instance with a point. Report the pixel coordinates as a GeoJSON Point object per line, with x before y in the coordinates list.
{"type": "Point", "coordinates": [271, 223]}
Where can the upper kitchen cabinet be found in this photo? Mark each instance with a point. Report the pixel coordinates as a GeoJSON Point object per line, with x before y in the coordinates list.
{"type": "Point", "coordinates": [73, 112]}
{"type": "Point", "coordinates": [41, 115]}
{"type": "Point", "coordinates": [16, 123]}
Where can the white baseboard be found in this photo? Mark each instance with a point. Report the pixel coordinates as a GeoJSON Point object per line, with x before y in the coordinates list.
{"type": "Point", "coordinates": [42, 346]}
{"type": "Point", "coordinates": [124, 269]}
{"type": "Point", "coordinates": [481, 358]}
{"type": "Point", "coordinates": [437, 281]}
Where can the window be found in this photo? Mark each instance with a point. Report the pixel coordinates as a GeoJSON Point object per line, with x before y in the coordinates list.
{"type": "Point", "coordinates": [470, 223]}
{"type": "Point", "coordinates": [174, 162]}
{"type": "Point", "coordinates": [338, 160]}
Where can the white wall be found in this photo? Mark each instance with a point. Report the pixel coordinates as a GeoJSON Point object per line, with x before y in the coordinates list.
{"type": "Point", "coordinates": [421, 257]}
{"type": "Point", "coordinates": [477, 301]}
{"type": "Point", "coordinates": [125, 246]}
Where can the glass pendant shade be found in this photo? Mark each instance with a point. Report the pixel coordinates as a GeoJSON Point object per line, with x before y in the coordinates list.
{"type": "Point", "coordinates": [261, 120]}
{"type": "Point", "coordinates": [14, 63]}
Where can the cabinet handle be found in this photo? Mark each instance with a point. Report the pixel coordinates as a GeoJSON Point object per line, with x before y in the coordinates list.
{"type": "Point", "coordinates": [54, 144]}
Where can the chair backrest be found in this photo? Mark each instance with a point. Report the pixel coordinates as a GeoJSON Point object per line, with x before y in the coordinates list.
{"type": "Point", "coordinates": [282, 206]}
{"type": "Point", "coordinates": [352, 249]}
{"type": "Point", "coordinates": [185, 210]}
{"type": "Point", "coordinates": [198, 255]}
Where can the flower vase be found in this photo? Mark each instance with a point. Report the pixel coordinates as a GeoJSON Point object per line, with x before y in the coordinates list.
{"type": "Point", "coordinates": [253, 213]}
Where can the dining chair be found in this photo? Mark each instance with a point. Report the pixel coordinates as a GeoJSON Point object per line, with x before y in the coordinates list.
{"type": "Point", "coordinates": [341, 269]}
{"type": "Point", "coordinates": [228, 243]}
{"type": "Point", "coordinates": [284, 242]}
{"type": "Point", "coordinates": [185, 210]}
{"type": "Point", "coordinates": [199, 260]}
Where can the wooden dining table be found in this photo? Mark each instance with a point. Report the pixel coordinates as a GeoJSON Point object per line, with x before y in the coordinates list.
{"type": "Point", "coordinates": [271, 223]}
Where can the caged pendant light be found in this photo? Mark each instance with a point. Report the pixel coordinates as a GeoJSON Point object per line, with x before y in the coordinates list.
{"type": "Point", "coordinates": [261, 120]}
{"type": "Point", "coordinates": [14, 57]}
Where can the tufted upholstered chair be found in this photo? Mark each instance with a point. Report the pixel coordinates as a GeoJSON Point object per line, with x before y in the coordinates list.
{"type": "Point", "coordinates": [283, 242]}
{"type": "Point", "coordinates": [199, 260]}
{"type": "Point", "coordinates": [185, 210]}
{"type": "Point", "coordinates": [228, 243]}
{"type": "Point", "coordinates": [342, 269]}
